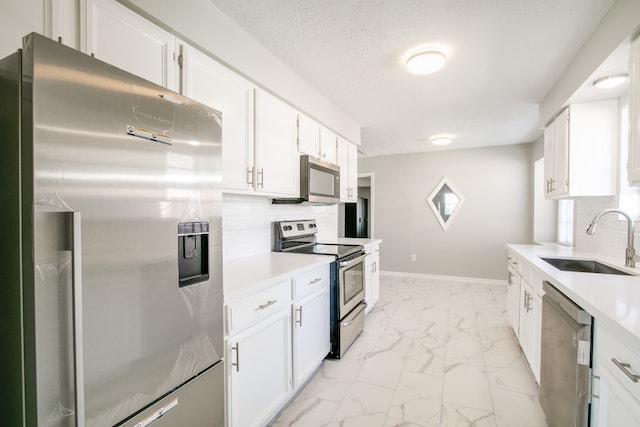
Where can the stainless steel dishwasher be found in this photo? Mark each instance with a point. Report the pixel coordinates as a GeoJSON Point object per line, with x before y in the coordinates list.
{"type": "Point", "coordinates": [565, 360]}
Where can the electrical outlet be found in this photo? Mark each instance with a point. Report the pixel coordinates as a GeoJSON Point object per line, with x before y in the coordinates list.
{"type": "Point", "coordinates": [413, 257]}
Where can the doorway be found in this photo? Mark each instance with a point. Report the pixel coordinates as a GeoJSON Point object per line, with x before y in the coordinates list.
{"type": "Point", "coordinates": [358, 217]}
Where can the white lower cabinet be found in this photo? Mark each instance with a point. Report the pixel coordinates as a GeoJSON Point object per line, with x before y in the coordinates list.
{"type": "Point", "coordinates": [372, 277]}
{"type": "Point", "coordinates": [615, 406]}
{"type": "Point", "coordinates": [524, 309]}
{"type": "Point", "coordinates": [513, 299]}
{"type": "Point", "coordinates": [618, 396]}
{"type": "Point", "coordinates": [259, 371]}
{"type": "Point", "coordinates": [311, 341]}
{"type": "Point", "coordinates": [277, 338]}
{"type": "Point", "coordinates": [530, 327]}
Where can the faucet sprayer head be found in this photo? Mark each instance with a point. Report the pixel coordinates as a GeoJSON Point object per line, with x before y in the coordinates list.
{"type": "Point", "coordinates": [591, 229]}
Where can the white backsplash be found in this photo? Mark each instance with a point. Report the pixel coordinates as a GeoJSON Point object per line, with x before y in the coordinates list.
{"type": "Point", "coordinates": [247, 223]}
{"type": "Point", "coordinates": [610, 238]}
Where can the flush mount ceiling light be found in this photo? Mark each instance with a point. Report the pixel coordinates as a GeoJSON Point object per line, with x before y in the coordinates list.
{"type": "Point", "coordinates": [611, 81]}
{"type": "Point", "coordinates": [441, 139]}
{"type": "Point", "coordinates": [425, 61]}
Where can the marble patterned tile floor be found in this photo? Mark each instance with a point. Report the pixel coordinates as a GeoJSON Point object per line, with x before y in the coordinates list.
{"type": "Point", "coordinates": [433, 353]}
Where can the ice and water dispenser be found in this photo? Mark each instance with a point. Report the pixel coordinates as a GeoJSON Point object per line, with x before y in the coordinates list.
{"type": "Point", "coordinates": [193, 253]}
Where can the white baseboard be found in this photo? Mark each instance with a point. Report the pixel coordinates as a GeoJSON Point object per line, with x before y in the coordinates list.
{"type": "Point", "coordinates": [440, 277]}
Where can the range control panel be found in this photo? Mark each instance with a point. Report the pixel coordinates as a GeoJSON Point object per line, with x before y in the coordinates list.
{"type": "Point", "coordinates": [289, 229]}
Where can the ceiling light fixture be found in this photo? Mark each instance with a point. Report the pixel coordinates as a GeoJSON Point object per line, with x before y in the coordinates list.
{"type": "Point", "coordinates": [441, 140]}
{"type": "Point", "coordinates": [611, 81]}
{"type": "Point", "coordinates": [425, 61]}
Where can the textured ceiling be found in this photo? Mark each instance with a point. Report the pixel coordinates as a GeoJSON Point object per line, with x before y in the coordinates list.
{"type": "Point", "coordinates": [503, 57]}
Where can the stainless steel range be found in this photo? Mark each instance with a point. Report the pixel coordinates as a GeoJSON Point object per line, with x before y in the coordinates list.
{"type": "Point", "coordinates": [347, 279]}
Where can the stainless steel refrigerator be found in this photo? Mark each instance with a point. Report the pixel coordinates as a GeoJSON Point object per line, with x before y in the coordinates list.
{"type": "Point", "coordinates": [111, 287]}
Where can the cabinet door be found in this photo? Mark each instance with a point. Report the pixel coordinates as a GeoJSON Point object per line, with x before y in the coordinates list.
{"type": "Point", "coordinates": [615, 406]}
{"type": "Point", "coordinates": [118, 36]}
{"type": "Point", "coordinates": [524, 330]}
{"type": "Point", "coordinates": [513, 300]}
{"type": "Point", "coordinates": [535, 323]}
{"type": "Point", "coordinates": [549, 135]}
{"type": "Point", "coordinates": [207, 81]}
{"type": "Point", "coordinates": [634, 114]}
{"type": "Point", "coordinates": [311, 342]}
{"type": "Point", "coordinates": [278, 168]}
{"type": "Point", "coordinates": [560, 183]}
{"type": "Point", "coordinates": [372, 279]}
{"type": "Point", "coordinates": [348, 162]}
{"type": "Point", "coordinates": [259, 371]}
{"type": "Point", "coordinates": [308, 136]}
{"type": "Point", "coordinates": [328, 145]}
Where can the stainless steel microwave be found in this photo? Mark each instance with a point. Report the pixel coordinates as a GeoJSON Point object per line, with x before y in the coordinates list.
{"type": "Point", "coordinates": [319, 183]}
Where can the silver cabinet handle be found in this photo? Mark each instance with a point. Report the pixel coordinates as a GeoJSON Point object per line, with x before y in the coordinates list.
{"type": "Point", "coordinates": [299, 317]}
{"type": "Point", "coordinates": [314, 281]}
{"type": "Point", "coordinates": [529, 298]}
{"type": "Point", "coordinates": [76, 289]}
{"type": "Point", "coordinates": [261, 178]}
{"type": "Point", "coordinates": [237, 362]}
{"type": "Point", "coordinates": [524, 300]}
{"type": "Point", "coordinates": [266, 304]}
{"type": "Point", "coordinates": [250, 175]}
{"type": "Point", "coordinates": [624, 367]}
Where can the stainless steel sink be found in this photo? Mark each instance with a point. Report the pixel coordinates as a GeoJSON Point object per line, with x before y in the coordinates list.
{"type": "Point", "coordinates": [583, 266]}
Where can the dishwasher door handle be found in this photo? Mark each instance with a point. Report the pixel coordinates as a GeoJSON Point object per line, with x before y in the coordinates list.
{"type": "Point", "coordinates": [624, 367]}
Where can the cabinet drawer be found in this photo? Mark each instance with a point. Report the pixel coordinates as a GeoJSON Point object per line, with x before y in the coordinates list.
{"type": "Point", "coordinates": [308, 282]}
{"type": "Point", "coordinates": [609, 347]}
{"type": "Point", "coordinates": [247, 311]}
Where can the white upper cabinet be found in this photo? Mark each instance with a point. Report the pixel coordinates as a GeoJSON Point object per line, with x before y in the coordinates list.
{"type": "Point", "coordinates": [634, 114]}
{"type": "Point", "coordinates": [207, 81]}
{"type": "Point", "coordinates": [348, 162]}
{"type": "Point", "coordinates": [308, 136]}
{"type": "Point", "coordinates": [277, 165]}
{"type": "Point", "coordinates": [580, 150]}
{"type": "Point", "coordinates": [316, 140]}
{"type": "Point", "coordinates": [118, 36]}
{"type": "Point", "coordinates": [328, 145]}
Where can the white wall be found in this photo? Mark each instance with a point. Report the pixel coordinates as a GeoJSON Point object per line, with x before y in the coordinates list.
{"type": "Point", "coordinates": [17, 19]}
{"type": "Point", "coordinates": [496, 185]}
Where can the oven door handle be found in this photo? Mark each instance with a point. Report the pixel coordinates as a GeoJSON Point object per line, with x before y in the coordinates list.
{"type": "Point", "coordinates": [352, 317]}
{"type": "Point", "coordinates": [346, 264]}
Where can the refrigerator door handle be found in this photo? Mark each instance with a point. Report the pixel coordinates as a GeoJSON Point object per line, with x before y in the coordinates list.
{"type": "Point", "coordinates": [76, 289]}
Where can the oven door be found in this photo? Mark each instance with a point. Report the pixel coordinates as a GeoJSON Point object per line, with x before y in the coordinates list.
{"type": "Point", "coordinates": [351, 283]}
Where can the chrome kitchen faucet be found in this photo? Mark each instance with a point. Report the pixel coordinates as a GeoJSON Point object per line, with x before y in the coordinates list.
{"type": "Point", "coordinates": [630, 253]}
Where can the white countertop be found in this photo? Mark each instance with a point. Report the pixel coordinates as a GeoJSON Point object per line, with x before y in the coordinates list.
{"type": "Point", "coordinates": [613, 300]}
{"type": "Point", "coordinates": [245, 276]}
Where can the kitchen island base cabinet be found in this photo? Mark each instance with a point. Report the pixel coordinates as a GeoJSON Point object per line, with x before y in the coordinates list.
{"type": "Point", "coordinates": [259, 371]}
